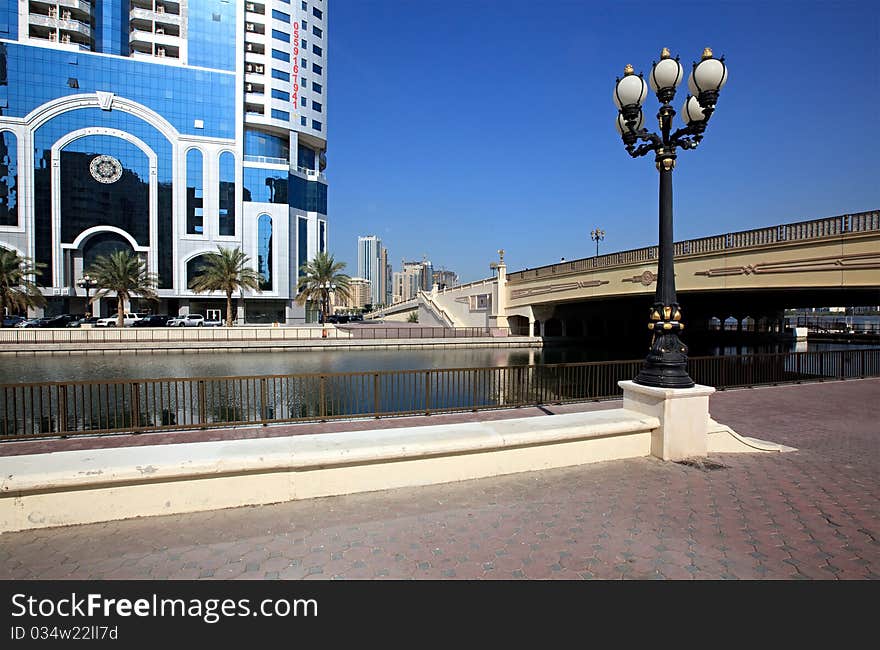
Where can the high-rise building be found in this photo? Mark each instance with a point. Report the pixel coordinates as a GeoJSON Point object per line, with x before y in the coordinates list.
{"type": "Point", "coordinates": [408, 281]}
{"type": "Point", "coordinates": [445, 279]}
{"type": "Point", "coordinates": [369, 265]}
{"type": "Point", "coordinates": [166, 128]}
{"type": "Point", "coordinates": [358, 294]}
{"type": "Point", "coordinates": [426, 281]}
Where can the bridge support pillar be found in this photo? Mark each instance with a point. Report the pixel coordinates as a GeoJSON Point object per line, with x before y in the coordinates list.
{"type": "Point", "coordinates": [683, 414]}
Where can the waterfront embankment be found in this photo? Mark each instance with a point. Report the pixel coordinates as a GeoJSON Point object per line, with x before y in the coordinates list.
{"type": "Point", "coordinates": [75, 341]}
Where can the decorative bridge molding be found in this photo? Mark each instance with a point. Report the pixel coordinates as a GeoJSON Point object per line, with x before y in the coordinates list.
{"type": "Point", "coordinates": [855, 262]}
{"type": "Point", "coordinates": [803, 231]}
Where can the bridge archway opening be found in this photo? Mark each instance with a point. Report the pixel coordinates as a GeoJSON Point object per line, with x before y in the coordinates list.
{"type": "Point", "coordinates": [573, 327]}
{"type": "Point", "coordinates": [553, 327]}
{"type": "Point", "coordinates": [730, 324]}
{"type": "Point", "coordinates": [519, 325]}
{"type": "Point", "coordinates": [714, 324]}
{"type": "Point", "coordinates": [748, 324]}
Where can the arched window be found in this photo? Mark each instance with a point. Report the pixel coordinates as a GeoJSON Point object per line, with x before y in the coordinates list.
{"type": "Point", "coordinates": [714, 324]}
{"type": "Point", "coordinates": [264, 251]}
{"type": "Point", "coordinates": [227, 195]}
{"type": "Point", "coordinates": [194, 213]}
{"type": "Point", "coordinates": [103, 244]}
{"type": "Point", "coordinates": [194, 268]}
{"type": "Point", "coordinates": [8, 179]}
{"type": "Point", "coordinates": [748, 324]}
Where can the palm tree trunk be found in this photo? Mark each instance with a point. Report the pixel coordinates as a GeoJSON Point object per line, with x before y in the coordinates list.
{"type": "Point", "coordinates": [228, 308]}
{"type": "Point", "coordinates": [120, 310]}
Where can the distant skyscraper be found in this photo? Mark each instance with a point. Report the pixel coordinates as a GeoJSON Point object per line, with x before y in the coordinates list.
{"type": "Point", "coordinates": [166, 129]}
{"type": "Point", "coordinates": [369, 261]}
{"type": "Point", "coordinates": [445, 279]}
{"type": "Point", "coordinates": [384, 278]}
{"type": "Point", "coordinates": [408, 281]}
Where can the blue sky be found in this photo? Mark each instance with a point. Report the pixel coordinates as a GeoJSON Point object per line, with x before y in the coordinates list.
{"type": "Point", "coordinates": [459, 128]}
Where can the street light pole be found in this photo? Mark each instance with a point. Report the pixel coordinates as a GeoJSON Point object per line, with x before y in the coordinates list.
{"type": "Point", "coordinates": [597, 235]}
{"type": "Point", "coordinates": [666, 363]}
{"type": "Point", "coordinates": [86, 282]}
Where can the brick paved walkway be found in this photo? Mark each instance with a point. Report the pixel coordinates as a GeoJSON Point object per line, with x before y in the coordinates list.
{"type": "Point", "coordinates": [813, 514]}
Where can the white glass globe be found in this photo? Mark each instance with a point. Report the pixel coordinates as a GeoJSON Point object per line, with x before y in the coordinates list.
{"type": "Point", "coordinates": [632, 89]}
{"type": "Point", "coordinates": [621, 123]}
{"type": "Point", "coordinates": [667, 73]}
{"type": "Point", "coordinates": [709, 74]}
{"type": "Point", "coordinates": [692, 111]}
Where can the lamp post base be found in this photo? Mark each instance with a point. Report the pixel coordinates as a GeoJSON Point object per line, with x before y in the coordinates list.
{"type": "Point", "coordinates": [666, 364]}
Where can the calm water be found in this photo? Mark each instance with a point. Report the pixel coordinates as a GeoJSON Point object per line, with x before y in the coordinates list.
{"type": "Point", "coordinates": [215, 364]}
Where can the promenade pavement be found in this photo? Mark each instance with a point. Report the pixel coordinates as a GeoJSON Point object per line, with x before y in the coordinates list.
{"type": "Point", "coordinates": [809, 514]}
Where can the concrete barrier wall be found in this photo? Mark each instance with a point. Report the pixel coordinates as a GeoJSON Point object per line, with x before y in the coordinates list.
{"type": "Point", "coordinates": [86, 486]}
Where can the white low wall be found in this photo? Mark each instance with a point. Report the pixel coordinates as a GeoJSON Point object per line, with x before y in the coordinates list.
{"type": "Point", "coordinates": [74, 487]}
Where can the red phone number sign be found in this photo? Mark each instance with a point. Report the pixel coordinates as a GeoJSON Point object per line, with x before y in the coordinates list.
{"type": "Point", "coordinates": [295, 66]}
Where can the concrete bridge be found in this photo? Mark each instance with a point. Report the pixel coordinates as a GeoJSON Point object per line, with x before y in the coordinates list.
{"type": "Point", "coordinates": [751, 276]}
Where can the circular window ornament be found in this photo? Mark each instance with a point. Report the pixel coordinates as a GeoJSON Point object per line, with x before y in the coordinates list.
{"type": "Point", "coordinates": [105, 169]}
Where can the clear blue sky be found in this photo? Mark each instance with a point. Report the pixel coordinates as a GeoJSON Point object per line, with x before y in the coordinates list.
{"type": "Point", "coordinates": [457, 128]}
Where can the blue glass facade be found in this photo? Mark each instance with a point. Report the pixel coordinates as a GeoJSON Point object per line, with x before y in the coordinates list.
{"type": "Point", "coordinates": [180, 95]}
{"type": "Point", "coordinates": [195, 215]}
{"type": "Point", "coordinates": [258, 143]}
{"type": "Point", "coordinates": [310, 196]}
{"type": "Point", "coordinates": [9, 179]}
{"type": "Point", "coordinates": [54, 129]}
{"type": "Point", "coordinates": [210, 31]}
{"type": "Point", "coordinates": [87, 202]}
{"type": "Point", "coordinates": [226, 225]}
{"type": "Point", "coordinates": [9, 19]}
{"type": "Point", "coordinates": [136, 145]}
{"type": "Point", "coordinates": [111, 26]}
{"type": "Point", "coordinates": [264, 251]}
{"type": "Point", "coordinates": [302, 237]}
{"type": "Point", "coordinates": [264, 185]}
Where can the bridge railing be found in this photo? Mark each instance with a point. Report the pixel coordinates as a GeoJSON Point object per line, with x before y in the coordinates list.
{"type": "Point", "coordinates": [801, 231]}
{"type": "Point", "coordinates": [48, 409]}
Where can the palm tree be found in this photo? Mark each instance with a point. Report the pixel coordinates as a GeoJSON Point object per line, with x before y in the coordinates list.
{"type": "Point", "coordinates": [322, 275]}
{"type": "Point", "coordinates": [226, 270]}
{"type": "Point", "coordinates": [125, 273]}
{"type": "Point", "coordinates": [18, 290]}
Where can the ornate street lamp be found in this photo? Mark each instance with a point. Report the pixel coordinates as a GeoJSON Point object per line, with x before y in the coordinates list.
{"type": "Point", "coordinates": [597, 235]}
{"type": "Point", "coordinates": [86, 282]}
{"type": "Point", "coordinates": [666, 363]}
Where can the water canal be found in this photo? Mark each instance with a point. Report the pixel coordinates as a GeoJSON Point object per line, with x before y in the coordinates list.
{"type": "Point", "coordinates": [217, 363]}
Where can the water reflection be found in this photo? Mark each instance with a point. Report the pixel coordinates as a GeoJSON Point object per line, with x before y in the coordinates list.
{"type": "Point", "coordinates": [218, 364]}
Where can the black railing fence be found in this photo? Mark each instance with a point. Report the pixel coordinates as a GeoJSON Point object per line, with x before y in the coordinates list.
{"type": "Point", "coordinates": [34, 410]}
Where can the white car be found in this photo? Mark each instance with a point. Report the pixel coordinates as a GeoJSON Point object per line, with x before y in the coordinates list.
{"type": "Point", "coordinates": [110, 321]}
{"type": "Point", "coordinates": [190, 320]}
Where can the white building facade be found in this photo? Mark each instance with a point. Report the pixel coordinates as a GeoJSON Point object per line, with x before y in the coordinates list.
{"type": "Point", "coordinates": [167, 129]}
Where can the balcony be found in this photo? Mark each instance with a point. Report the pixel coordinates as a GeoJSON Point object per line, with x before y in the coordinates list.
{"type": "Point", "coordinates": [156, 16]}
{"type": "Point", "coordinates": [80, 9]}
{"type": "Point", "coordinates": [69, 25]}
{"type": "Point", "coordinates": [268, 160]}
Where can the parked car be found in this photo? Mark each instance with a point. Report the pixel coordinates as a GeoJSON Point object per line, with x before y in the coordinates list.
{"type": "Point", "coordinates": [214, 322]}
{"type": "Point", "coordinates": [153, 320]}
{"type": "Point", "coordinates": [49, 321]}
{"type": "Point", "coordinates": [12, 321]}
{"type": "Point", "coordinates": [190, 320]}
{"type": "Point", "coordinates": [91, 320]}
{"type": "Point", "coordinates": [110, 321]}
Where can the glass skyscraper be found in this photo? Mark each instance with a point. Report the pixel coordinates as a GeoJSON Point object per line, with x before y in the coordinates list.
{"type": "Point", "coordinates": [169, 129]}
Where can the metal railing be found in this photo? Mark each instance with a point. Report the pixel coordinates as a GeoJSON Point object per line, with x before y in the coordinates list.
{"type": "Point", "coordinates": [37, 410]}
{"type": "Point", "coordinates": [816, 229]}
{"type": "Point", "coordinates": [74, 335]}
{"type": "Point", "coordinates": [832, 324]}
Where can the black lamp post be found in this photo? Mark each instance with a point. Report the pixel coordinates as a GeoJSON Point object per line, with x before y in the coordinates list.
{"type": "Point", "coordinates": [666, 363]}
{"type": "Point", "coordinates": [86, 282]}
{"type": "Point", "coordinates": [597, 235]}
